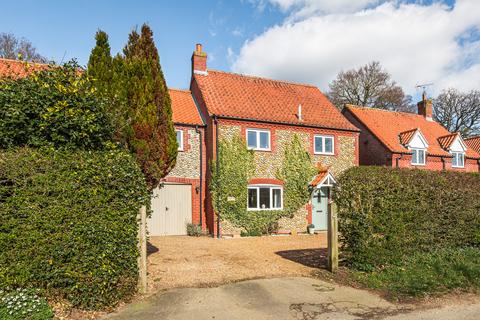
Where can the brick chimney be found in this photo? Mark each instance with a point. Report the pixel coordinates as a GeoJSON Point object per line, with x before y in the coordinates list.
{"type": "Point", "coordinates": [199, 60]}
{"type": "Point", "coordinates": [425, 108]}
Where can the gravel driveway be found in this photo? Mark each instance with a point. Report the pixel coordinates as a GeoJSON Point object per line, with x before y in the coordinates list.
{"type": "Point", "coordinates": [181, 261]}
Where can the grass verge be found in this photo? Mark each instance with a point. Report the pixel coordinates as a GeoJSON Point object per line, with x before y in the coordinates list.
{"type": "Point", "coordinates": [422, 274]}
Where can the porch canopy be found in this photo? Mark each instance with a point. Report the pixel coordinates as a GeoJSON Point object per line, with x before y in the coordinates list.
{"type": "Point", "coordinates": [323, 179]}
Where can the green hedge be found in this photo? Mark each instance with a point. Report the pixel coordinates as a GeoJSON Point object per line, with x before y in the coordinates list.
{"type": "Point", "coordinates": [68, 223]}
{"type": "Point", "coordinates": [386, 214]}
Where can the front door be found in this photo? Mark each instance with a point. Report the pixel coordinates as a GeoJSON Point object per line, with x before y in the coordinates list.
{"type": "Point", "coordinates": [320, 208]}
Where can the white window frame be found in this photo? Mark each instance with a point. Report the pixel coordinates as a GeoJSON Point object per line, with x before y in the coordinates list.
{"type": "Point", "coordinates": [271, 187]}
{"type": "Point", "coordinates": [323, 137]}
{"type": "Point", "coordinates": [180, 144]}
{"type": "Point", "coordinates": [257, 134]}
{"type": "Point", "coordinates": [455, 156]}
{"type": "Point", "coordinates": [416, 163]}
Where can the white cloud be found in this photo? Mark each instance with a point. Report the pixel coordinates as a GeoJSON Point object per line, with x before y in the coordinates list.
{"type": "Point", "coordinates": [415, 43]}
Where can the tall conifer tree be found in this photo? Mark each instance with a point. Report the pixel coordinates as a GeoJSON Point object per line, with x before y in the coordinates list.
{"type": "Point", "coordinates": [100, 63]}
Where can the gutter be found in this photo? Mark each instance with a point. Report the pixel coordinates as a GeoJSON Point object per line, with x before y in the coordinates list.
{"type": "Point", "coordinates": [200, 138]}
{"type": "Point", "coordinates": [215, 121]}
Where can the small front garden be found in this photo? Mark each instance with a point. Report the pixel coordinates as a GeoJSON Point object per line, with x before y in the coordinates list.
{"type": "Point", "coordinates": [410, 233]}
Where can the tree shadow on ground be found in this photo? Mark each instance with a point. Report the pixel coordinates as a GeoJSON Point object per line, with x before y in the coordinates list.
{"type": "Point", "coordinates": [151, 249]}
{"type": "Point", "coordinates": [313, 258]}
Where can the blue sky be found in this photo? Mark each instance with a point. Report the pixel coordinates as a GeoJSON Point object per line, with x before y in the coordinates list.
{"type": "Point", "coordinates": [299, 40]}
{"type": "Point", "coordinates": [59, 28]}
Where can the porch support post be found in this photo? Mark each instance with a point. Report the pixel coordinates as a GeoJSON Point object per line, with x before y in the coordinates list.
{"type": "Point", "coordinates": [332, 235]}
{"type": "Point", "coordinates": [142, 248]}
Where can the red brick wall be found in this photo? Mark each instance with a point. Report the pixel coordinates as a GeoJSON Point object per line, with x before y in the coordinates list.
{"type": "Point", "coordinates": [371, 150]}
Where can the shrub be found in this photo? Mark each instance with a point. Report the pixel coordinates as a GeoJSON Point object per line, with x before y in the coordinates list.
{"type": "Point", "coordinates": [56, 107]}
{"type": "Point", "coordinates": [68, 223]}
{"type": "Point", "coordinates": [23, 304]}
{"type": "Point", "coordinates": [194, 230]}
{"type": "Point", "coordinates": [386, 214]}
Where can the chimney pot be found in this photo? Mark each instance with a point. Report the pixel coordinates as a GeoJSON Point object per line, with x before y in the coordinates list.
{"type": "Point", "coordinates": [199, 60]}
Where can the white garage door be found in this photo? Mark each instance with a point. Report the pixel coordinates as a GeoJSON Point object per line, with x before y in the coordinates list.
{"type": "Point", "coordinates": [172, 210]}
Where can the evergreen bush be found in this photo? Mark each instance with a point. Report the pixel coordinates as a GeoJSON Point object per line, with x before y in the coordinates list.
{"type": "Point", "coordinates": [68, 223]}
{"type": "Point", "coordinates": [387, 214]}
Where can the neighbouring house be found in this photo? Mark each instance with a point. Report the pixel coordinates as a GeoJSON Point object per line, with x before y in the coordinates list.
{"type": "Point", "coordinates": [408, 140]}
{"type": "Point", "coordinates": [19, 69]}
{"type": "Point", "coordinates": [474, 143]}
{"type": "Point", "coordinates": [266, 114]}
{"type": "Point", "coordinates": [179, 199]}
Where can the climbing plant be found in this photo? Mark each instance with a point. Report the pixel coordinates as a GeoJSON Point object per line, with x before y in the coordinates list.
{"type": "Point", "coordinates": [296, 172]}
{"type": "Point", "coordinates": [236, 167]}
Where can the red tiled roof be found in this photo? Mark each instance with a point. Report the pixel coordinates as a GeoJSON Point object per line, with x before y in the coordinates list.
{"type": "Point", "coordinates": [253, 98]}
{"type": "Point", "coordinates": [319, 177]}
{"type": "Point", "coordinates": [446, 141]}
{"type": "Point", "coordinates": [19, 69]}
{"type": "Point", "coordinates": [406, 136]}
{"type": "Point", "coordinates": [388, 126]}
{"type": "Point", "coordinates": [183, 107]}
{"type": "Point", "coordinates": [473, 143]}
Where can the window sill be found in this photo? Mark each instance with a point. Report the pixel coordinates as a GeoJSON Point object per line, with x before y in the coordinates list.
{"type": "Point", "coordinates": [323, 154]}
{"type": "Point", "coordinates": [418, 164]}
{"type": "Point", "coordinates": [260, 150]}
{"type": "Point", "coordinates": [275, 209]}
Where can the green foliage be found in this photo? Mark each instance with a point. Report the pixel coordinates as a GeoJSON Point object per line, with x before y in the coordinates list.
{"type": "Point", "coordinates": [230, 181]}
{"type": "Point", "coordinates": [439, 271]}
{"type": "Point", "coordinates": [100, 64]}
{"type": "Point", "coordinates": [297, 171]}
{"type": "Point", "coordinates": [23, 304]}
{"type": "Point", "coordinates": [68, 223]}
{"type": "Point", "coordinates": [387, 214]}
{"type": "Point", "coordinates": [56, 107]}
{"type": "Point", "coordinates": [236, 168]}
{"type": "Point", "coordinates": [141, 102]}
{"type": "Point", "coordinates": [194, 230]}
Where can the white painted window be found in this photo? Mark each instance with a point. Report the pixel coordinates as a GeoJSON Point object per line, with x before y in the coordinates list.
{"type": "Point", "coordinates": [258, 139]}
{"type": "Point", "coordinates": [323, 144]}
{"type": "Point", "coordinates": [179, 139]}
{"type": "Point", "coordinates": [458, 160]}
{"type": "Point", "coordinates": [418, 157]}
{"type": "Point", "coordinates": [264, 197]}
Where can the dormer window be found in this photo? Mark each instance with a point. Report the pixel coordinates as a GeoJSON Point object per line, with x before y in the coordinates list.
{"type": "Point", "coordinates": [458, 160]}
{"type": "Point", "coordinates": [418, 157]}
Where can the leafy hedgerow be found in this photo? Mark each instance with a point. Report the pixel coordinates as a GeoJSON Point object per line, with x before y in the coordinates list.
{"type": "Point", "coordinates": [388, 214]}
{"type": "Point", "coordinates": [68, 223]}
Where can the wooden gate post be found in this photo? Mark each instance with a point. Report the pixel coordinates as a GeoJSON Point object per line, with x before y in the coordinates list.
{"type": "Point", "coordinates": [142, 248]}
{"type": "Point", "coordinates": [332, 237]}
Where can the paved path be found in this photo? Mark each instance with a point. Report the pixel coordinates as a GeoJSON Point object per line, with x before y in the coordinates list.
{"type": "Point", "coordinates": [281, 298]}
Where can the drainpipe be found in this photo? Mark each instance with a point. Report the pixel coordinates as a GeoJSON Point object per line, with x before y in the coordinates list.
{"type": "Point", "coordinates": [199, 132]}
{"type": "Point", "coordinates": [215, 121]}
{"type": "Point", "coordinates": [398, 159]}
{"type": "Point", "coordinates": [443, 163]}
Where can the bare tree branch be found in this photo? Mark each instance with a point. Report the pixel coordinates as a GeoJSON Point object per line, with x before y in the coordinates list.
{"type": "Point", "coordinates": [15, 48]}
{"type": "Point", "coordinates": [458, 111]}
{"type": "Point", "coordinates": [369, 86]}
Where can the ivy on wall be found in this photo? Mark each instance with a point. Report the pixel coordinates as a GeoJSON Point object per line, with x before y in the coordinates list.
{"type": "Point", "coordinates": [236, 166]}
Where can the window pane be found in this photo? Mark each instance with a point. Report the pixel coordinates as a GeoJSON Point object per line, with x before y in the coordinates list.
{"type": "Point", "coordinates": [264, 198]}
{"type": "Point", "coordinates": [264, 141]}
{"type": "Point", "coordinates": [251, 139]}
{"type": "Point", "coordinates": [252, 198]}
{"type": "Point", "coordinates": [328, 145]}
{"type": "Point", "coordinates": [421, 156]}
{"type": "Point", "coordinates": [454, 160]}
{"type": "Point", "coordinates": [179, 139]}
{"type": "Point", "coordinates": [461, 158]}
{"type": "Point", "coordinates": [318, 144]}
{"type": "Point", "coordinates": [277, 198]}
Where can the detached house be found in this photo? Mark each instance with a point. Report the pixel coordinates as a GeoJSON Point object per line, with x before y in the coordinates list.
{"type": "Point", "coordinates": [266, 114]}
{"type": "Point", "coordinates": [407, 140]}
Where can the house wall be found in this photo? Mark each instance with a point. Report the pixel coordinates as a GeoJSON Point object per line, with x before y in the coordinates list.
{"type": "Point", "coordinates": [371, 150]}
{"type": "Point", "coordinates": [435, 163]}
{"type": "Point", "coordinates": [268, 162]}
{"type": "Point", "coordinates": [187, 169]}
